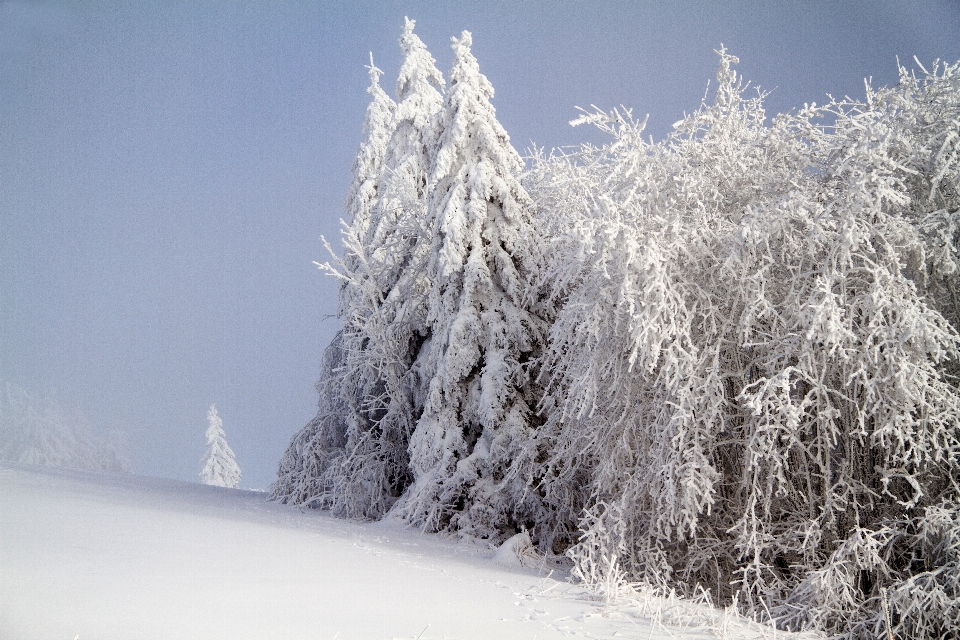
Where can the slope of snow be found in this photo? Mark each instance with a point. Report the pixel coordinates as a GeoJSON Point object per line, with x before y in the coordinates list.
{"type": "Point", "coordinates": [113, 556]}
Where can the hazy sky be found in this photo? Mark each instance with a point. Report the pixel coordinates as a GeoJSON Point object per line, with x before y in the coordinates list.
{"type": "Point", "coordinates": [167, 169]}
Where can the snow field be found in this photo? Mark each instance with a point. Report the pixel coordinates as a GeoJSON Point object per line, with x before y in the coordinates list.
{"type": "Point", "coordinates": [109, 556]}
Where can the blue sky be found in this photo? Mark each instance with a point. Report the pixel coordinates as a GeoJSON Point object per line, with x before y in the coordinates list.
{"type": "Point", "coordinates": [167, 169]}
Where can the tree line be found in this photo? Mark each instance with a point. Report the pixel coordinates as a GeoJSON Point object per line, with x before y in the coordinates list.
{"type": "Point", "coordinates": [723, 363]}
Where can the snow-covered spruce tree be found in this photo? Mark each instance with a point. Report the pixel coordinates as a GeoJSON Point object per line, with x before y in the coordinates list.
{"type": "Point", "coordinates": [479, 402]}
{"type": "Point", "coordinates": [384, 325]}
{"type": "Point", "coordinates": [219, 466]}
{"type": "Point", "coordinates": [36, 430]}
{"type": "Point", "coordinates": [397, 236]}
{"type": "Point", "coordinates": [367, 404]}
{"type": "Point", "coordinates": [365, 190]}
{"type": "Point", "coordinates": [751, 385]}
{"type": "Point", "coordinates": [398, 241]}
{"type": "Point", "coordinates": [317, 467]}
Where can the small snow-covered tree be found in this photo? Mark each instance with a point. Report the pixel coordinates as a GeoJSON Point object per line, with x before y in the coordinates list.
{"type": "Point", "coordinates": [219, 466]}
{"type": "Point", "coordinates": [478, 404]}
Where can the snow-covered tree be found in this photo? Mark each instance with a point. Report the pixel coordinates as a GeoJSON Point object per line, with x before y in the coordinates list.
{"type": "Point", "coordinates": [407, 157]}
{"type": "Point", "coordinates": [317, 455]}
{"type": "Point", "coordinates": [354, 473]}
{"type": "Point", "coordinates": [478, 406]}
{"type": "Point", "coordinates": [219, 466]}
{"type": "Point", "coordinates": [37, 430]}
{"type": "Point", "coordinates": [382, 308]}
{"type": "Point", "coordinates": [365, 190]}
{"type": "Point", "coordinates": [384, 318]}
{"type": "Point", "coordinates": [399, 240]}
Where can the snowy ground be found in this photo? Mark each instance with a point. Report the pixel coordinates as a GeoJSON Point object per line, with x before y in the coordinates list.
{"type": "Point", "coordinates": [104, 556]}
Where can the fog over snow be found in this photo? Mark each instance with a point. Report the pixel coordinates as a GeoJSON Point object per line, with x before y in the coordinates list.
{"type": "Point", "coordinates": [166, 172]}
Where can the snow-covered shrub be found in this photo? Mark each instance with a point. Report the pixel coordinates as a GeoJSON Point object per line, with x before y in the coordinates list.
{"type": "Point", "coordinates": [218, 466]}
{"type": "Point", "coordinates": [37, 430]}
{"type": "Point", "coordinates": [750, 385]}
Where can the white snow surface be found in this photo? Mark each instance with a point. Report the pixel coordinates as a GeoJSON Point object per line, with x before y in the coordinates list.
{"type": "Point", "coordinates": [116, 556]}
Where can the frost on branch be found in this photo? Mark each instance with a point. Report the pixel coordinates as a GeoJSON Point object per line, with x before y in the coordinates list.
{"type": "Point", "coordinates": [310, 473]}
{"type": "Point", "coordinates": [752, 374]}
